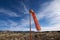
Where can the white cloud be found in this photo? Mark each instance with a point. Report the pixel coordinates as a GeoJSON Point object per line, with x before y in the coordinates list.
{"type": "Point", "coordinates": [8, 12]}
{"type": "Point", "coordinates": [26, 11]}
{"type": "Point", "coordinates": [52, 13]}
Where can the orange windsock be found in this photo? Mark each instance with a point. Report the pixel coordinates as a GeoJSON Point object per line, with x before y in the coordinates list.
{"type": "Point", "coordinates": [35, 20]}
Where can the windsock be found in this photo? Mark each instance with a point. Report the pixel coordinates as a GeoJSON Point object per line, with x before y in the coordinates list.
{"type": "Point", "coordinates": [35, 19]}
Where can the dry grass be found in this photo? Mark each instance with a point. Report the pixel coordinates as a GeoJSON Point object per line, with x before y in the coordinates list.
{"type": "Point", "coordinates": [25, 36]}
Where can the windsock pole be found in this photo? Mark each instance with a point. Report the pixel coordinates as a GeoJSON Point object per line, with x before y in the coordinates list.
{"type": "Point", "coordinates": [30, 27]}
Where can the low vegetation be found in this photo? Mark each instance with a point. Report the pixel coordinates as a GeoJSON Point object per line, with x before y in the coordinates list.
{"type": "Point", "coordinates": [8, 35]}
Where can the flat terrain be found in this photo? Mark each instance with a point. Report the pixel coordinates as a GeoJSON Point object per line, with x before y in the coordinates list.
{"type": "Point", "coordinates": [13, 35]}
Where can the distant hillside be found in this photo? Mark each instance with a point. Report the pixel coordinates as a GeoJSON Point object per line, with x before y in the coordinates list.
{"type": "Point", "coordinates": [22, 35]}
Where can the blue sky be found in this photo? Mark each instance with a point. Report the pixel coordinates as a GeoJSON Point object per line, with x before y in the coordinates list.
{"type": "Point", "coordinates": [14, 14]}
